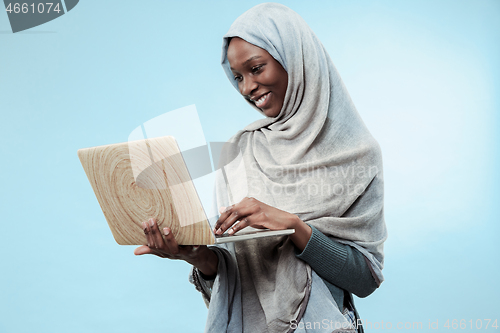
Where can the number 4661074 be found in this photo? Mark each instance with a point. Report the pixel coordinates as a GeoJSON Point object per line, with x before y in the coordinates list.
{"type": "Point", "coordinates": [478, 324]}
{"type": "Point", "coordinates": [25, 8]}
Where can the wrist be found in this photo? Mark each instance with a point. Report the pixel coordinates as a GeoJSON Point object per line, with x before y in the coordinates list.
{"type": "Point", "coordinates": [302, 233]}
{"type": "Point", "coordinates": [206, 261]}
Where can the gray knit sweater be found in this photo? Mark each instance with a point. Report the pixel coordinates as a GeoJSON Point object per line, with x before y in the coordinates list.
{"type": "Point", "coordinates": [341, 266]}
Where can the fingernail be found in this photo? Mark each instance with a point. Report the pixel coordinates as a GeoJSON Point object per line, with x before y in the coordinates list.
{"type": "Point", "coordinates": [144, 225]}
{"type": "Point", "coordinates": [219, 231]}
{"type": "Point", "coordinates": [151, 222]}
{"type": "Point", "coordinates": [231, 231]}
{"type": "Point", "coordinates": [166, 231]}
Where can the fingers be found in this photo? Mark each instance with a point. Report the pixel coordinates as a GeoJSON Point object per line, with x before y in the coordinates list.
{"type": "Point", "coordinates": [224, 215]}
{"type": "Point", "coordinates": [156, 244]}
{"type": "Point", "coordinates": [240, 225]}
{"type": "Point", "coordinates": [147, 231]}
{"type": "Point", "coordinates": [156, 236]}
{"type": "Point", "coordinates": [163, 246]}
{"type": "Point", "coordinates": [170, 241]}
{"type": "Point", "coordinates": [234, 213]}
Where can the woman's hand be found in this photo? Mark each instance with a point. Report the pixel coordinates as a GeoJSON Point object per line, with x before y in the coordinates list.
{"type": "Point", "coordinates": [251, 212]}
{"type": "Point", "coordinates": [199, 256]}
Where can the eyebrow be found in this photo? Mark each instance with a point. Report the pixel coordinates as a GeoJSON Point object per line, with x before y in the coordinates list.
{"type": "Point", "coordinates": [248, 60]}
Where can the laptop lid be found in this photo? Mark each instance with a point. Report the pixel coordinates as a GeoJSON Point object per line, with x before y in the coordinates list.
{"type": "Point", "coordinates": [138, 180]}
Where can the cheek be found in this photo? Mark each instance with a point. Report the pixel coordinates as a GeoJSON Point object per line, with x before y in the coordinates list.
{"type": "Point", "coordinates": [280, 78]}
{"type": "Point", "coordinates": [275, 79]}
{"type": "Point", "coordinates": [285, 86]}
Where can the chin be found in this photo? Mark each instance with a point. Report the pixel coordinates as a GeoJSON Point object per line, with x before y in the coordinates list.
{"type": "Point", "coordinates": [271, 113]}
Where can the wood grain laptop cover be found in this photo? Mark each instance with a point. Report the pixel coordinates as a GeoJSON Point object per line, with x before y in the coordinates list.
{"type": "Point", "coordinates": [138, 180]}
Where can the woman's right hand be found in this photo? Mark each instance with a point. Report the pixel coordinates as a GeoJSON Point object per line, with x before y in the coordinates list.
{"type": "Point", "coordinates": [164, 247]}
{"type": "Point", "coordinates": [199, 256]}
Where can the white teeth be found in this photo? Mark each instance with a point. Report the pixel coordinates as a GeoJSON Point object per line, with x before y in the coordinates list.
{"type": "Point", "coordinates": [261, 100]}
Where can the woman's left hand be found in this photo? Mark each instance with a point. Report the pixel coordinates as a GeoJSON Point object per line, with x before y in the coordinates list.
{"type": "Point", "coordinates": [254, 213]}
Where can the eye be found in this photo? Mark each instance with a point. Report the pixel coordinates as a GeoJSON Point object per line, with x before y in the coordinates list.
{"type": "Point", "coordinates": [238, 78]}
{"type": "Point", "coordinates": [257, 69]}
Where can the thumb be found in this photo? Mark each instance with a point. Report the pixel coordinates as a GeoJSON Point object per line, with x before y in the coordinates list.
{"type": "Point", "coordinates": [142, 250]}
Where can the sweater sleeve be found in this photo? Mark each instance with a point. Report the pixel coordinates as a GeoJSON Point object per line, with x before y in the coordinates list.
{"type": "Point", "coordinates": [339, 264]}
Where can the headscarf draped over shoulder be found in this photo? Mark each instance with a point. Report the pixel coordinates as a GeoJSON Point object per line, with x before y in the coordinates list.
{"type": "Point", "coordinates": [315, 159]}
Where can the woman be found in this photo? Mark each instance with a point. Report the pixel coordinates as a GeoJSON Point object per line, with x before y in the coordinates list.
{"type": "Point", "coordinates": [310, 165]}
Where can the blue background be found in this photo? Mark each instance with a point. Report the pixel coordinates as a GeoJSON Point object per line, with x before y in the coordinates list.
{"type": "Point", "coordinates": [424, 75]}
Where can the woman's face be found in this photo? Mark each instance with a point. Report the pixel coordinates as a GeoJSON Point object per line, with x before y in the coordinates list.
{"type": "Point", "coordinates": [261, 79]}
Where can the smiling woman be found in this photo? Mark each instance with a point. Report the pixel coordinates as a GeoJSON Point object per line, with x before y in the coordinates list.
{"type": "Point", "coordinates": [277, 63]}
{"type": "Point", "coordinates": [261, 79]}
{"type": "Point", "coordinates": [289, 283]}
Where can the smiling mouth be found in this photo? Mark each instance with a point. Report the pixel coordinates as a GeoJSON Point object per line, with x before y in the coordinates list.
{"type": "Point", "coordinates": [262, 100]}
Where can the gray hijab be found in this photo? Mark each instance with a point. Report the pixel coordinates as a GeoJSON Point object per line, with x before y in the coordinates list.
{"type": "Point", "coordinates": [315, 159]}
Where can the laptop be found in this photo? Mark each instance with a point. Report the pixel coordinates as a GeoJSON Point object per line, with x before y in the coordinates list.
{"type": "Point", "coordinates": [138, 180]}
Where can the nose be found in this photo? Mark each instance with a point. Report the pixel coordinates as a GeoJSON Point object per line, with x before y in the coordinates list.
{"type": "Point", "coordinates": [247, 85]}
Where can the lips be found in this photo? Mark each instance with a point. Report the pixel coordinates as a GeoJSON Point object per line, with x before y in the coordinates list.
{"type": "Point", "coordinates": [262, 100]}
